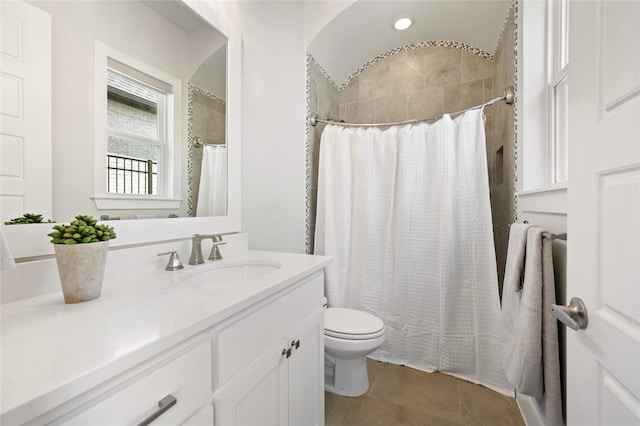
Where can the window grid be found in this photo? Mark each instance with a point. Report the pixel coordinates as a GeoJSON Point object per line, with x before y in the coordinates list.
{"type": "Point", "coordinates": [131, 176]}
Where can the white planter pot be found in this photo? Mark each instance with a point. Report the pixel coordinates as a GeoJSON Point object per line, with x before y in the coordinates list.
{"type": "Point", "coordinates": [81, 269]}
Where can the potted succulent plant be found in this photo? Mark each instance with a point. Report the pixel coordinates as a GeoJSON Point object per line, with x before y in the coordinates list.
{"type": "Point", "coordinates": [26, 219]}
{"type": "Point", "coordinates": [81, 252]}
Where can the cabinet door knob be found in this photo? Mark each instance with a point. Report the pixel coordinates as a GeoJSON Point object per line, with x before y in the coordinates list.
{"type": "Point", "coordinates": [163, 406]}
{"type": "Point", "coordinates": [286, 352]}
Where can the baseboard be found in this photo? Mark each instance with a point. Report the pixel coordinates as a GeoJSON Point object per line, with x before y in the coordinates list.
{"type": "Point", "coordinates": [530, 410]}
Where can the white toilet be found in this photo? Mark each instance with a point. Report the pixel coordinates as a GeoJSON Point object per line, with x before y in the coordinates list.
{"type": "Point", "coordinates": [349, 336]}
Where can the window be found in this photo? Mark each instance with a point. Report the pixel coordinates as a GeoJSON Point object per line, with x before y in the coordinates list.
{"type": "Point", "coordinates": [544, 89]}
{"type": "Point", "coordinates": [136, 135]}
{"type": "Point", "coordinates": [137, 130]}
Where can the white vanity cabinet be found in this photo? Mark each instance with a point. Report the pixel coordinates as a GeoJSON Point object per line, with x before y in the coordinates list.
{"type": "Point", "coordinates": [203, 417]}
{"type": "Point", "coordinates": [248, 352]}
{"type": "Point", "coordinates": [273, 374]}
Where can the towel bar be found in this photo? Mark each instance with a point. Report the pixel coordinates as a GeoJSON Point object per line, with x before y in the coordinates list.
{"type": "Point", "coordinates": [550, 235]}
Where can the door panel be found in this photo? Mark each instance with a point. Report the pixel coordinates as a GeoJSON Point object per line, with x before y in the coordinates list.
{"type": "Point", "coordinates": [603, 361]}
{"type": "Point", "coordinates": [25, 111]}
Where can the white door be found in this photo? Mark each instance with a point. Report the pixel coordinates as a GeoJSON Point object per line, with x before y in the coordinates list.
{"type": "Point", "coordinates": [603, 360]}
{"type": "Point", "coordinates": [25, 110]}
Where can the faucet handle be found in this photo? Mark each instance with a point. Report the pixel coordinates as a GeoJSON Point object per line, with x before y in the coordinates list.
{"type": "Point", "coordinates": [215, 252]}
{"type": "Point", "coordinates": [174, 261]}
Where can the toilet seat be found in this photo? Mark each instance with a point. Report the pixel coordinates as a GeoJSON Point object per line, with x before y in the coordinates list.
{"type": "Point", "coordinates": [351, 324]}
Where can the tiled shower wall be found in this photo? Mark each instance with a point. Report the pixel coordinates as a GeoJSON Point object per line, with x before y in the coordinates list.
{"type": "Point", "coordinates": [417, 83]}
{"type": "Point", "coordinates": [207, 118]}
{"type": "Point", "coordinates": [501, 148]}
{"type": "Point", "coordinates": [322, 99]}
{"type": "Point", "coordinates": [422, 82]}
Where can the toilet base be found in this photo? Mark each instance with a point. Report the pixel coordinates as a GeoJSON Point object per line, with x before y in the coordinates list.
{"type": "Point", "coordinates": [350, 377]}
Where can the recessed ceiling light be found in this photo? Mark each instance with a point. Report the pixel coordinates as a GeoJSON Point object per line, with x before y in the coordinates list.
{"type": "Point", "coordinates": [402, 23]}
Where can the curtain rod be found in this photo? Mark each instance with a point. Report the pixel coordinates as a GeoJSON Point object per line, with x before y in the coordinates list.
{"type": "Point", "coordinates": [197, 143]}
{"type": "Point", "coordinates": [509, 98]}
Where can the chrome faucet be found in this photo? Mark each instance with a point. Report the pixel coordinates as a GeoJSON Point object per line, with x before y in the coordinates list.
{"type": "Point", "coordinates": [196, 248]}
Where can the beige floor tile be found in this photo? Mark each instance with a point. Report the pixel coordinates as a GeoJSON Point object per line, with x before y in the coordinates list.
{"type": "Point", "coordinates": [433, 393]}
{"type": "Point", "coordinates": [482, 406]}
{"type": "Point", "coordinates": [372, 368]}
{"type": "Point", "coordinates": [419, 417]}
{"type": "Point", "coordinates": [403, 396]}
{"type": "Point", "coordinates": [363, 410]}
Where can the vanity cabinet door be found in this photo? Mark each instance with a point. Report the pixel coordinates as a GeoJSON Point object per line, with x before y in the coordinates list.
{"type": "Point", "coordinates": [244, 338]}
{"type": "Point", "coordinates": [257, 396]}
{"type": "Point", "coordinates": [306, 373]}
{"type": "Point", "coordinates": [284, 386]}
{"type": "Point", "coordinates": [187, 378]}
{"type": "Point", "coordinates": [204, 417]}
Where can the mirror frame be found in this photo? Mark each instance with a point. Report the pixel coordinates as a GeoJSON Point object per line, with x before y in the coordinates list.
{"type": "Point", "coordinates": [32, 241]}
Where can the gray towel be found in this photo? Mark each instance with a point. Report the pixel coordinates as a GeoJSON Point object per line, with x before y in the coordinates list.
{"type": "Point", "coordinates": [529, 338]}
{"type": "Point", "coordinates": [550, 347]}
{"type": "Point", "coordinates": [521, 337]}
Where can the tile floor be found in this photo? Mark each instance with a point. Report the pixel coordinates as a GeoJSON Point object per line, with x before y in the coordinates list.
{"type": "Point", "coordinates": [403, 396]}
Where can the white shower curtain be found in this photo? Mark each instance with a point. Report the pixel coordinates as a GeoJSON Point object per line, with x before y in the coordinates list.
{"type": "Point", "coordinates": [212, 193]}
{"type": "Point", "coordinates": [405, 212]}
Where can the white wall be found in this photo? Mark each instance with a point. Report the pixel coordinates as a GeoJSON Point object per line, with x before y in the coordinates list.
{"type": "Point", "coordinates": [273, 122]}
{"type": "Point", "coordinates": [207, 61]}
{"type": "Point", "coordinates": [317, 14]}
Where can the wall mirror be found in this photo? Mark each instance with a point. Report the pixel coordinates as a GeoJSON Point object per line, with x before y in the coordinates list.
{"type": "Point", "coordinates": [144, 94]}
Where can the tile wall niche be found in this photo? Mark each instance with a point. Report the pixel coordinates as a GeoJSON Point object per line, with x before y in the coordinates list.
{"type": "Point", "coordinates": [419, 81]}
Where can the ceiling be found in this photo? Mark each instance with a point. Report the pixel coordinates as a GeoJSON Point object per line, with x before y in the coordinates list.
{"type": "Point", "coordinates": [362, 31]}
{"type": "Point", "coordinates": [177, 13]}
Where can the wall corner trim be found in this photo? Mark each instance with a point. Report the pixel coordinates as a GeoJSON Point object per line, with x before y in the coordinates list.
{"type": "Point", "coordinates": [530, 410]}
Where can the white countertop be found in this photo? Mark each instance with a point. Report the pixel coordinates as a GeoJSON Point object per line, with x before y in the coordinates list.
{"type": "Point", "coordinates": [51, 351]}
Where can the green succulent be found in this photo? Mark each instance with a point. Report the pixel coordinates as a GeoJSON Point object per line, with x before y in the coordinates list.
{"type": "Point", "coordinates": [27, 218]}
{"type": "Point", "coordinates": [84, 229]}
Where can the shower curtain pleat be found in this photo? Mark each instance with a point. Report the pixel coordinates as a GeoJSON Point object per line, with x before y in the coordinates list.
{"type": "Point", "coordinates": [212, 192]}
{"type": "Point", "coordinates": [405, 212]}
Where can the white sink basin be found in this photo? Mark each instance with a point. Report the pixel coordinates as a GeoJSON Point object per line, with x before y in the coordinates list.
{"type": "Point", "coordinates": [229, 271]}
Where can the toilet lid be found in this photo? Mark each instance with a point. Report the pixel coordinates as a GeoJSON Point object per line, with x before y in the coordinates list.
{"type": "Point", "coordinates": [352, 324]}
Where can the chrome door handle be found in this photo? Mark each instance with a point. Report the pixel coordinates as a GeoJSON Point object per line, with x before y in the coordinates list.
{"type": "Point", "coordinates": [573, 316]}
{"type": "Point", "coordinates": [163, 405]}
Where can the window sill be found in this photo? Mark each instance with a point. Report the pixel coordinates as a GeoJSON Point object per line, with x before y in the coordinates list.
{"type": "Point", "coordinates": [547, 189]}
{"type": "Point", "coordinates": [126, 202]}
{"type": "Point", "coordinates": [551, 199]}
